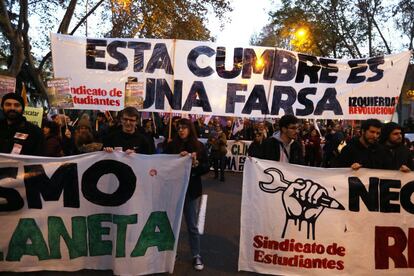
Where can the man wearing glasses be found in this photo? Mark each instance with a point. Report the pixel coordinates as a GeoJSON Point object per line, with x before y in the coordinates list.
{"type": "Point", "coordinates": [127, 136]}
{"type": "Point", "coordinates": [282, 146]}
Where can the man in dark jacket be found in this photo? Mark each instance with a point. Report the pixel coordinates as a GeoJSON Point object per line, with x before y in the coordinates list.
{"type": "Point", "coordinates": [282, 146]}
{"type": "Point", "coordinates": [127, 135]}
{"type": "Point", "coordinates": [17, 135]}
{"type": "Point", "coordinates": [392, 139]}
{"type": "Point", "coordinates": [364, 151]}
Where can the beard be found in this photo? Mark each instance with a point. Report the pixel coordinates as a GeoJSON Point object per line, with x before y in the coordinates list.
{"type": "Point", "coordinates": [13, 115]}
{"type": "Point", "coordinates": [371, 141]}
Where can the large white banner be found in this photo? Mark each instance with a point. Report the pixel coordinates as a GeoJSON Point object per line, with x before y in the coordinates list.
{"type": "Point", "coordinates": [207, 78]}
{"type": "Point", "coordinates": [299, 220]}
{"type": "Point", "coordinates": [94, 211]}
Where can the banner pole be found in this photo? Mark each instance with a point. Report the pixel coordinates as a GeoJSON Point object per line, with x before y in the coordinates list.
{"type": "Point", "coordinates": [172, 90]}
{"type": "Point", "coordinates": [64, 117]}
{"type": "Point", "coordinates": [153, 122]}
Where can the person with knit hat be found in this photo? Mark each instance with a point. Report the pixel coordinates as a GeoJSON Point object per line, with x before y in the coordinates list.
{"type": "Point", "coordinates": [83, 138]}
{"type": "Point", "coordinates": [392, 139]}
{"type": "Point", "coordinates": [17, 135]}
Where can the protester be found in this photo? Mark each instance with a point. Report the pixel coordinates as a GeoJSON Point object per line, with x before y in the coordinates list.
{"type": "Point", "coordinates": [149, 133]}
{"type": "Point", "coordinates": [65, 133]}
{"type": "Point", "coordinates": [17, 135]}
{"type": "Point", "coordinates": [174, 121]}
{"type": "Point", "coordinates": [185, 143]}
{"type": "Point", "coordinates": [218, 144]}
{"type": "Point", "coordinates": [53, 143]}
{"type": "Point", "coordinates": [201, 128]}
{"type": "Point", "coordinates": [365, 151]}
{"type": "Point", "coordinates": [261, 127]}
{"type": "Point", "coordinates": [228, 129]}
{"type": "Point", "coordinates": [126, 136]}
{"type": "Point", "coordinates": [83, 138]}
{"type": "Point", "coordinates": [333, 139]}
{"type": "Point", "coordinates": [282, 146]}
{"type": "Point", "coordinates": [256, 149]}
{"type": "Point", "coordinates": [101, 126]}
{"type": "Point", "coordinates": [392, 138]}
{"type": "Point", "coordinates": [247, 133]}
{"type": "Point", "coordinates": [313, 150]}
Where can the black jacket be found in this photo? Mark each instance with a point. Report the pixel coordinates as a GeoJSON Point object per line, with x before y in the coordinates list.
{"type": "Point", "coordinates": [271, 151]}
{"type": "Point", "coordinates": [255, 149]}
{"type": "Point", "coordinates": [372, 157]}
{"type": "Point", "coordinates": [33, 144]}
{"type": "Point", "coordinates": [135, 141]}
{"type": "Point", "coordinates": [399, 155]}
{"type": "Point", "coordinates": [194, 186]}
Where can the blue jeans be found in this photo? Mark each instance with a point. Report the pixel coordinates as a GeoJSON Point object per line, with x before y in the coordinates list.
{"type": "Point", "coordinates": [190, 215]}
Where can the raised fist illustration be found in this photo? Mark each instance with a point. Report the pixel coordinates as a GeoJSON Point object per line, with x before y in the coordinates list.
{"type": "Point", "coordinates": [301, 200]}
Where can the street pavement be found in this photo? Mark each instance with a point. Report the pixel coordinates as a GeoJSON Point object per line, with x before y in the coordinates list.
{"type": "Point", "coordinates": [219, 244]}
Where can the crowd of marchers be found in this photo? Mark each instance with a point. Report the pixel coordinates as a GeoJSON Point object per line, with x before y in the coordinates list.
{"type": "Point", "coordinates": [323, 145]}
{"type": "Point", "coordinates": [368, 145]}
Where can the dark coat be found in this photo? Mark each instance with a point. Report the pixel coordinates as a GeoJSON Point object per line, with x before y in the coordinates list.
{"type": "Point", "coordinates": [32, 145]}
{"type": "Point", "coordinates": [135, 141]}
{"type": "Point", "coordinates": [194, 186]}
{"type": "Point", "coordinates": [372, 157]}
{"type": "Point", "coordinates": [400, 155]}
{"type": "Point", "coordinates": [271, 151]}
{"type": "Point", "coordinates": [53, 146]}
{"type": "Point", "coordinates": [255, 149]}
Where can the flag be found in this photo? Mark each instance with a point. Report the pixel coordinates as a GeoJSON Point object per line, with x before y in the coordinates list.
{"type": "Point", "coordinates": [238, 125]}
{"type": "Point", "coordinates": [24, 95]}
{"type": "Point", "coordinates": [207, 119]}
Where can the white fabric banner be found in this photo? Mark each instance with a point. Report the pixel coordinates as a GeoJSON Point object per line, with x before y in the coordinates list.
{"type": "Point", "coordinates": [93, 211]}
{"type": "Point", "coordinates": [299, 220]}
{"type": "Point", "coordinates": [236, 154]}
{"type": "Point", "coordinates": [207, 78]}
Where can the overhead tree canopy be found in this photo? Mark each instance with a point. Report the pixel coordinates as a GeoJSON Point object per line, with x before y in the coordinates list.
{"type": "Point", "coordinates": [341, 28]}
{"type": "Point", "coordinates": [25, 27]}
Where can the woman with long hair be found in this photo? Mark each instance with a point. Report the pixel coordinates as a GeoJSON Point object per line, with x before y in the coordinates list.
{"type": "Point", "coordinates": [185, 142]}
{"type": "Point", "coordinates": [53, 143]}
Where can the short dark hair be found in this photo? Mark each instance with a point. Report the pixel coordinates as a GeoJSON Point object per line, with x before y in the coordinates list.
{"type": "Point", "coordinates": [287, 120]}
{"type": "Point", "coordinates": [130, 111]}
{"type": "Point", "coordinates": [365, 125]}
{"type": "Point", "coordinates": [54, 127]}
{"type": "Point", "coordinates": [387, 129]}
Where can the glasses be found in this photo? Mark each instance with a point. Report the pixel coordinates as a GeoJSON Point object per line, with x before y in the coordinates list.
{"type": "Point", "coordinates": [182, 127]}
{"type": "Point", "coordinates": [129, 120]}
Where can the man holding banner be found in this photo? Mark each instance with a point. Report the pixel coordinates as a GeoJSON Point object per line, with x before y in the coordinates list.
{"type": "Point", "coordinates": [17, 135]}
{"type": "Point", "coordinates": [127, 136]}
{"type": "Point", "coordinates": [392, 139]}
{"type": "Point", "coordinates": [282, 146]}
{"type": "Point", "coordinates": [365, 150]}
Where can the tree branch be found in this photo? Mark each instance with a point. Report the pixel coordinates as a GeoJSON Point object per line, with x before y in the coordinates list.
{"type": "Point", "coordinates": [40, 86]}
{"type": "Point", "coordinates": [380, 33]}
{"type": "Point", "coordinates": [49, 54]}
{"type": "Point", "coordinates": [64, 25]}
{"type": "Point", "coordinates": [16, 44]}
